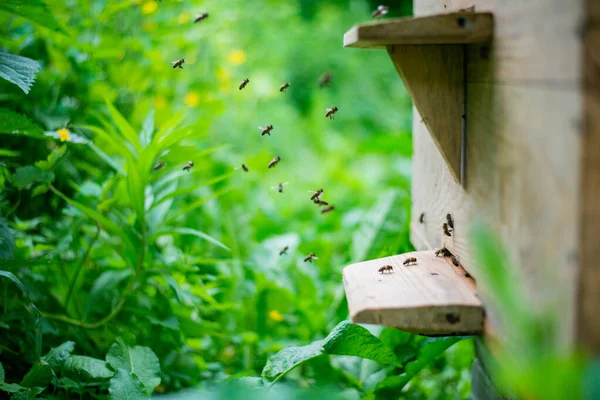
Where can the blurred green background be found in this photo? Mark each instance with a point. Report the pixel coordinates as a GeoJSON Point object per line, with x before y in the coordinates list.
{"type": "Point", "coordinates": [190, 261]}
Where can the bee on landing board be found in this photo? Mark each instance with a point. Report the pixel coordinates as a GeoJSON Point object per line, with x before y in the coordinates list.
{"type": "Point", "coordinates": [316, 195]}
{"type": "Point", "coordinates": [455, 261]}
{"type": "Point", "coordinates": [188, 166]}
{"type": "Point", "coordinates": [244, 83]}
{"type": "Point", "coordinates": [330, 111]}
{"type": "Point", "coordinates": [327, 209]}
{"type": "Point", "coordinates": [274, 162]}
{"type": "Point", "coordinates": [311, 256]}
{"type": "Point", "coordinates": [265, 130]}
{"type": "Point", "coordinates": [178, 63]}
{"type": "Point", "coordinates": [422, 218]}
{"type": "Point", "coordinates": [380, 12]}
{"type": "Point", "coordinates": [284, 250]}
{"type": "Point", "coordinates": [410, 260]}
{"type": "Point", "coordinates": [158, 166]}
{"type": "Point", "coordinates": [201, 17]}
{"type": "Point", "coordinates": [283, 87]}
{"type": "Point", "coordinates": [385, 268]}
{"type": "Point", "coordinates": [450, 221]}
{"type": "Point", "coordinates": [325, 79]}
{"type": "Point", "coordinates": [443, 252]}
{"type": "Point", "coordinates": [446, 229]}
{"type": "Point", "coordinates": [279, 187]}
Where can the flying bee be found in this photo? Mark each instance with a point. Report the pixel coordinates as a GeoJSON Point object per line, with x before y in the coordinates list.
{"type": "Point", "coordinates": [380, 12]}
{"type": "Point", "coordinates": [325, 79]}
{"type": "Point", "coordinates": [385, 268]}
{"type": "Point", "coordinates": [450, 221]}
{"type": "Point", "coordinates": [327, 209]}
{"type": "Point", "coordinates": [274, 162]}
{"type": "Point", "coordinates": [201, 17]}
{"type": "Point", "coordinates": [244, 167]}
{"type": "Point", "coordinates": [410, 260]}
{"type": "Point", "coordinates": [279, 187]}
{"type": "Point", "coordinates": [311, 256]}
{"type": "Point", "coordinates": [330, 111]}
{"type": "Point", "coordinates": [320, 202]}
{"type": "Point", "coordinates": [265, 130]}
{"type": "Point", "coordinates": [444, 252]}
{"type": "Point", "coordinates": [178, 63]}
{"type": "Point", "coordinates": [455, 261]}
{"type": "Point", "coordinates": [284, 86]}
{"type": "Point", "coordinates": [244, 83]}
{"type": "Point", "coordinates": [284, 250]}
{"type": "Point", "coordinates": [188, 166]}
{"type": "Point", "coordinates": [316, 195]}
{"type": "Point", "coordinates": [158, 165]}
{"type": "Point", "coordinates": [446, 229]}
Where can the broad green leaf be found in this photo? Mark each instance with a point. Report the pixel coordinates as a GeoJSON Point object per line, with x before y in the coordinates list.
{"type": "Point", "coordinates": [124, 127]}
{"type": "Point", "coordinates": [11, 387]}
{"type": "Point", "coordinates": [7, 240]}
{"type": "Point", "coordinates": [25, 176]}
{"type": "Point", "coordinates": [140, 360]}
{"type": "Point", "coordinates": [86, 369]}
{"type": "Point", "coordinates": [345, 339]}
{"type": "Point", "coordinates": [189, 231]}
{"type": "Point", "coordinates": [28, 394]}
{"type": "Point", "coordinates": [124, 385]}
{"type": "Point", "coordinates": [57, 356]}
{"type": "Point", "coordinates": [34, 10]}
{"type": "Point", "coordinates": [39, 189]}
{"type": "Point", "coordinates": [18, 70]}
{"type": "Point", "coordinates": [40, 375]}
{"type": "Point", "coordinates": [147, 129]}
{"type": "Point", "coordinates": [52, 158]}
{"type": "Point", "coordinates": [16, 124]}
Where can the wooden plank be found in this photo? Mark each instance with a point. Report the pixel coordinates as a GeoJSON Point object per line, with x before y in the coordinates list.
{"type": "Point", "coordinates": [429, 297]}
{"type": "Point", "coordinates": [433, 75]}
{"type": "Point", "coordinates": [455, 28]}
{"type": "Point", "coordinates": [588, 323]}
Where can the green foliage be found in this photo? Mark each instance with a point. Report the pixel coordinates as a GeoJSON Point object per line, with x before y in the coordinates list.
{"type": "Point", "coordinates": [18, 70]}
{"type": "Point", "coordinates": [138, 360]}
{"type": "Point", "coordinates": [13, 123]}
{"type": "Point", "coordinates": [125, 385]}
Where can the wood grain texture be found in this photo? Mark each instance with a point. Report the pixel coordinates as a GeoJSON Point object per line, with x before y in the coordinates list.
{"type": "Point", "coordinates": [588, 323]}
{"type": "Point", "coordinates": [455, 28]}
{"type": "Point", "coordinates": [431, 297]}
{"type": "Point", "coordinates": [433, 75]}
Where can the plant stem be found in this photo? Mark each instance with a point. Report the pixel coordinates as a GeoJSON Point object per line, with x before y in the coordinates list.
{"type": "Point", "coordinates": [78, 270]}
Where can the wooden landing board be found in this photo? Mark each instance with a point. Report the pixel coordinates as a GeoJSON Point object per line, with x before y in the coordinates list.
{"type": "Point", "coordinates": [431, 297]}
{"type": "Point", "coordinates": [454, 28]}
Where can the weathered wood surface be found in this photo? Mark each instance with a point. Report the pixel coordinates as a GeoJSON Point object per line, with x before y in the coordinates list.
{"type": "Point", "coordinates": [434, 77]}
{"type": "Point", "coordinates": [455, 28]}
{"type": "Point", "coordinates": [523, 162]}
{"type": "Point", "coordinates": [431, 297]}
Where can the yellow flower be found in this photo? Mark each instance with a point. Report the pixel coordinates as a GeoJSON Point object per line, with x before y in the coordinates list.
{"type": "Point", "coordinates": [183, 18]}
{"type": "Point", "coordinates": [275, 315]}
{"type": "Point", "coordinates": [63, 134]}
{"type": "Point", "coordinates": [159, 102]}
{"type": "Point", "coordinates": [192, 99]}
{"type": "Point", "coordinates": [149, 7]}
{"type": "Point", "coordinates": [237, 57]}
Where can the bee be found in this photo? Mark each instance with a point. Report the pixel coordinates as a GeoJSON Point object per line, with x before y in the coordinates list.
{"type": "Point", "coordinates": [284, 250]}
{"type": "Point", "coordinates": [455, 261]}
{"type": "Point", "coordinates": [265, 130]}
{"type": "Point", "coordinates": [443, 252]}
{"type": "Point", "coordinates": [325, 79]}
{"type": "Point", "coordinates": [327, 209]}
{"type": "Point", "coordinates": [274, 162]}
{"type": "Point", "coordinates": [201, 17]}
{"type": "Point", "coordinates": [279, 187]}
{"type": "Point", "coordinates": [385, 268]}
{"type": "Point", "coordinates": [422, 218]}
{"type": "Point", "coordinates": [188, 166]}
{"type": "Point", "coordinates": [434, 273]}
{"type": "Point", "coordinates": [446, 229]}
{"type": "Point", "coordinates": [244, 83]}
{"type": "Point", "coordinates": [468, 9]}
{"type": "Point", "coordinates": [380, 12]}
{"type": "Point", "coordinates": [244, 167]}
{"type": "Point", "coordinates": [450, 221]}
{"type": "Point", "coordinates": [178, 63]}
{"type": "Point", "coordinates": [311, 256]}
{"type": "Point", "coordinates": [315, 195]}
{"type": "Point", "coordinates": [284, 86]}
{"type": "Point", "coordinates": [330, 111]}
{"type": "Point", "coordinates": [320, 202]}
{"type": "Point", "coordinates": [410, 260]}
{"type": "Point", "coordinates": [158, 165]}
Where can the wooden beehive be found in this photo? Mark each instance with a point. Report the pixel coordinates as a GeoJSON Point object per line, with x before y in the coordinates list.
{"type": "Point", "coordinates": [506, 131]}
